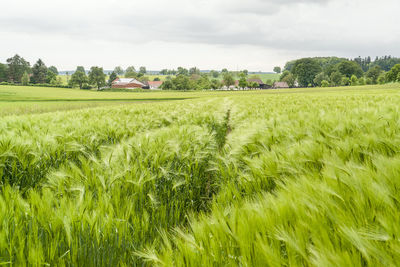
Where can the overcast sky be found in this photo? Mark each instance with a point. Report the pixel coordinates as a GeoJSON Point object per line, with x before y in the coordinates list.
{"type": "Point", "coordinates": [210, 34]}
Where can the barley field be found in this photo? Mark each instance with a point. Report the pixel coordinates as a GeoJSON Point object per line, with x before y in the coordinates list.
{"type": "Point", "coordinates": [299, 177]}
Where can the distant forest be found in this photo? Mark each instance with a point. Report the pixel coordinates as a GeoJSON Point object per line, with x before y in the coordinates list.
{"type": "Point", "coordinates": [386, 63]}
{"type": "Point", "coordinates": [335, 71]}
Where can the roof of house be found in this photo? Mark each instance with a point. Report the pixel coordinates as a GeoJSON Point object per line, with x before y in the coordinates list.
{"type": "Point", "coordinates": [259, 81]}
{"type": "Point", "coordinates": [125, 81]}
{"type": "Point", "coordinates": [155, 83]}
{"type": "Point", "coordinates": [281, 85]}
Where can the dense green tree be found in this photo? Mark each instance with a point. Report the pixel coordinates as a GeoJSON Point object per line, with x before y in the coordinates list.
{"type": "Point", "coordinates": [167, 85]}
{"type": "Point", "coordinates": [181, 82]}
{"type": "Point", "coordinates": [345, 81]}
{"type": "Point", "coordinates": [164, 72]}
{"type": "Point", "coordinates": [3, 72]}
{"type": "Point", "coordinates": [277, 69]}
{"type": "Point", "coordinates": [112, 77]}
{"type": "Point", "coordinates": [283, 75]}
{"type": "Point", "coordinates": [349, 68]}
{"type": "Point", "coordinates": [194, 70]}
{"type": "Point", "coordinates": [214, 74]}
{"type": "Point", "coordinates": [17, 66]}
{"type": "Point", "coordinates": [319, 78]}
{"type": "Point", "coordinates": [243, 81]}
{"type": "Point", "coordinates": [324, 83]}
{"type": "Point", "coordinates": [182, 71]}
{"type": "Point", "coordinates": [245, 72]}
{"type": "Point", "coordinates": [381, 79]}
{"type": "Point", "coordinates": [328, 64]}
{"type": "Point", "coordinates": [374, 73]}
{"type": "Point", "coordinates": [228, 79]}
{"type": "Point", "coordinates": [289, 65]}
{"type": "Point", "coordinates": [53, 69]}
{"type": "Point", "coordinates": [25, 78]}
{"type": "Point", "coordinates": [81, 69]}
{"type": "Point", "coordinates": [142, 70]}
{"type": "Point", "coordinates": [50, 76]}
{"type": "Point", "coordinates": [290, 79]}
{"type": "Point", "coordinates": [353, 80]}
{"type": "Point", "coordinates": [78, 78]}
{"type": "Point", "coordinates": [97, 77]}
{"type": "Point", "coordinates": [391, 76]}
{"type": "Point", "coordinates": [224, 70]}
{"type": "Point", "coordinates": [203, 83]}
{"type": "Point", "coordinates": [336, 78]}
{"type": "Point", "coordinates": [156, 79]}
{"type": "Point", "coordinates": [305, 70]}
{"type": "Point", "coordinates": [130, 72]}
{"type": "Point", "coordinates": [39, 72]}
{"type": "Point", "coordinates": [215, 84]}
{"type": "Point", "coordinates": [119, 70]}
{"type": "Point", "coordinates": [57, 81]}
{"type": "Point", "coordinates": [361, 81]}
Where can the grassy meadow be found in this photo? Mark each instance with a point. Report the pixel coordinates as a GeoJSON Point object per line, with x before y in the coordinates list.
{"type": "Point", "coordinates": [295, 177]}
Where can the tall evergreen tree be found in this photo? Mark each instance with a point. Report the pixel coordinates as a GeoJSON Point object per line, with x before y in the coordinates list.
{"type": "Point", "coordinates": [39, 72]}
{"type": "Point", "coordinates": [112, 77]}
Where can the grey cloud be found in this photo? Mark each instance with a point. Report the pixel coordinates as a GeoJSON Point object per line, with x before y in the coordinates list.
{"type": "Point", "coordinates": [264, 7]}
{"type": "Point", "coordinates": [292, 25]}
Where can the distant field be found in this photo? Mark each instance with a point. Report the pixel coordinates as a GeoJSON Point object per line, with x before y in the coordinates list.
{"type": "Point", "coordinates": [27, 99]}
{"type": "Point", "coordinates": [269, 76]}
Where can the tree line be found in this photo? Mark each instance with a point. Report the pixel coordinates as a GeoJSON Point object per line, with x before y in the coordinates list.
{"type": "Point", "coordinates": [334, 71]}
{"type": "Point", "coordinates": [18, 70]}
{"type": "Point", "coordinates": [304, 72]}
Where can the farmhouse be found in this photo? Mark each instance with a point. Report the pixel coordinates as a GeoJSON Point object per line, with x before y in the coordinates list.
{"type": "Point", "coordinates": [278, 85]}
{"type": "Point", "coordinates": [260, 83]}
{"type": "Point", "coordinates": [127, 83]}
{"type": "Point", "coordinates": [154, 85]}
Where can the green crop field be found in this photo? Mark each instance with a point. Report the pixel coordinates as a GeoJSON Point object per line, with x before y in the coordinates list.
{"type": "Point", "coordinates": [296, 177]}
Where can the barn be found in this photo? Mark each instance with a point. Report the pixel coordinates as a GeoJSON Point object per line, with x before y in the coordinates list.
{"type": "Point", "coordinates": [278, 85]}
{"type": "Point", "coordinates": [260, 83]}
{"type": "Point", "coordinates": [127, 83]}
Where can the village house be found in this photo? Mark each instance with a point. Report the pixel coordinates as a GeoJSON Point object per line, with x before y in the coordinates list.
{"type": "Point", "coordinates": [127, 83]}
{"type": "Point", "coordinates": [155, 85]}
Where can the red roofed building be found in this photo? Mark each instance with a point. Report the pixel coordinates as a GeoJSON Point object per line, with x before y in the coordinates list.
{"type": "Point", "coordinates": [127, 83]}
{"type": "Point", "coordinates": [155, 84]}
